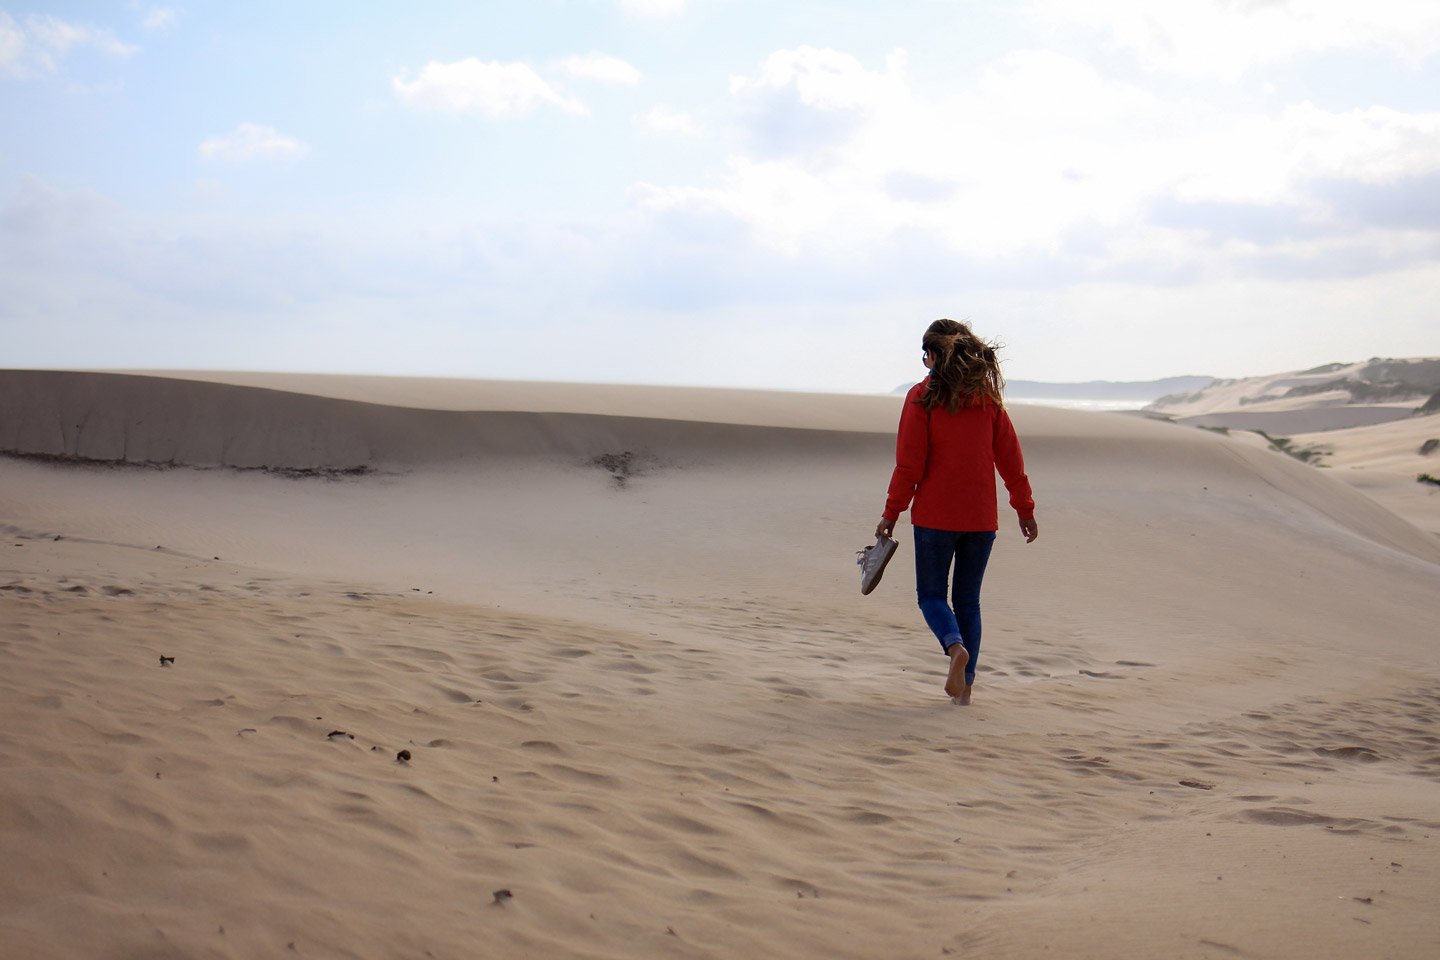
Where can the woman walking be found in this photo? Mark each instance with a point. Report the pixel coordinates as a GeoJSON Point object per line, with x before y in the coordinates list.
{"type": "Point", "coordinates": [954, 434]}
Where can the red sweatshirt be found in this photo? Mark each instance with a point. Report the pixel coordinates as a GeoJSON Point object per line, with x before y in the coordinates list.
{"type": "Point", "coordinates": [947, 461]}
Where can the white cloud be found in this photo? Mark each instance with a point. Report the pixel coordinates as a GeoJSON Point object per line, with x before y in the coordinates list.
{"type": "Point", "coordinates": [834, 152]}
{"type": "Point", "coordinates": [1373, 145]}
{"type": "Point", "coordinates": [663, 119]}
{"type": "Point", "coordinates": [250, 142]}
{"type": "Point", "coordinates": [600, 68]}
{"type": "Point", "coordinates": [41, 43]}
{"type": "Point", "coordinates": [821, 78]}
{"type": "Point", "coordinates": [808, 102]}
{"type": "Point", "coordinates": [1276, 158]}
{"type": "Point", "coordinates": [653, 9]}
{"type": "Point", "coordinates": [12, 44]}
{"type": "Point", "coordinates": [159, 19]}
{"type": "Point", "coordinates": [59, 36]}
{"type": "Point", "coordinates": [1044, 160]}
{"type": "Point", "coordinates": [1223, 38]}
{"type": "Point", "coordinates": [490, 88]}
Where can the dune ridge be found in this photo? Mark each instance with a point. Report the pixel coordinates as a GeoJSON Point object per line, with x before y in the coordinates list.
{"type": "Point", "coordinates": [147, 420]}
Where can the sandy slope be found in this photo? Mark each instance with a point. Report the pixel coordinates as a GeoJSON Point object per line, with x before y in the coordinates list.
{"type": "Point", "coordinates": [660, 714]}
{"type": "Point", "coordinates": [1373, 446]}
{"type": "Point", "coordinates": [755, 407]}
{"type": "Point", "coordinates": [1383, 461]}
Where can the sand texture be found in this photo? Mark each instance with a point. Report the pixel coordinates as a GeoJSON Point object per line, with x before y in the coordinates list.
{"type": "Point", "coordinates": [648, 713]}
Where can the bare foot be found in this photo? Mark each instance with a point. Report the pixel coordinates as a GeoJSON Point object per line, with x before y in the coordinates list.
{"type": "Point", "coordinates": [964, 698]}
{"type": "Point", "coordinates": [955, 685]}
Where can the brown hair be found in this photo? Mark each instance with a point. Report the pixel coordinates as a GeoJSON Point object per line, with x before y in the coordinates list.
{"type": "Point", "coordinates": [964, 371]}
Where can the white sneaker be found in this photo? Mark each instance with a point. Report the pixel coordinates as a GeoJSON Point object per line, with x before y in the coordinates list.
{"type": "Point", "coordinates": [872, 561]}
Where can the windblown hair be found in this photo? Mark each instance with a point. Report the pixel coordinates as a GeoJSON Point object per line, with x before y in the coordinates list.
{"type": "Point", "coordinates": [965, 371]}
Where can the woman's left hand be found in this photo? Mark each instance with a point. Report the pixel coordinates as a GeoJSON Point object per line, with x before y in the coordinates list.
{"type": "Point", "coordinates": [884, 528]}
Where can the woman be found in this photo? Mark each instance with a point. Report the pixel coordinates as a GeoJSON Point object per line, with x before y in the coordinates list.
{"type": "Point", "coordinates": [954, 434]}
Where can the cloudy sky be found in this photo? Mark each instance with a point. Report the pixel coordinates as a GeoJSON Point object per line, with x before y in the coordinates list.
{"type": "Point", "coordinates": [771, 193]}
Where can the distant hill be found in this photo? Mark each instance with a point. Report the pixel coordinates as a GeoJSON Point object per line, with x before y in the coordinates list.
{"type": "Point", "coordinates": [1140, 391]}
{"type": "Point", "coordinates": [1144, 390]}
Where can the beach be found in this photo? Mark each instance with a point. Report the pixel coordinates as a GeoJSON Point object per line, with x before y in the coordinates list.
{"type": "Point", "coordinates": [380, 667]}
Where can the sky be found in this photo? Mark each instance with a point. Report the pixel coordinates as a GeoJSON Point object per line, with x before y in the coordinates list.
{"type": "Point", "coordinates": [750, 193]}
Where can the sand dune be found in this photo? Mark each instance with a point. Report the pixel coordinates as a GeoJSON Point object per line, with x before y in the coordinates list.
{"type": "Point", "coordinates": [1408, 446]}
{"type": "Point", "coordinates": [1364, 419]}
{"type": "Point", "coordinates": [697, 404]}
{"type": "Point", "coordinates": [659, 714]}
{"type": "Point", "coordinates": [1304, 417]}
{"type": "Point", "coordinates": [1384, 462]}
{"type": "Point", "coordinates": [1330, 397]}
{"type": "Point", "coordinates": [143, 419]}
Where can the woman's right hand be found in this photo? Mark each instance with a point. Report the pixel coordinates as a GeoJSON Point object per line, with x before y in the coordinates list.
{"type": "Point", "coordinates": [1029, 528]}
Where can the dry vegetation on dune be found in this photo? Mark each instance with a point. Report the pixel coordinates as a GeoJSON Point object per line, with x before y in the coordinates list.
{"type": "Point", "coordinates": [647, 713]}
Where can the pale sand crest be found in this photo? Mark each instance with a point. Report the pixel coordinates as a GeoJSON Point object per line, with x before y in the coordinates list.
{"type": "Point", "coordinates": [1385, 461]}
{"type": "Point", "coordinates": [659, 713]}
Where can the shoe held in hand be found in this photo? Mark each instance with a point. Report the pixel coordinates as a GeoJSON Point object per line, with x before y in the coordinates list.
{"type": "Point", "coordinates": [872, 561]}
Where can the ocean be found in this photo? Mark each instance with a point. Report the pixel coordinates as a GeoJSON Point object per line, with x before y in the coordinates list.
{"type": "Point", "coordinates": [1079, 404]}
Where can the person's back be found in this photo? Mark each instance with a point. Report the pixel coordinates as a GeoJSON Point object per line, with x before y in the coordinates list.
{"type": "Point", "coordinates": [962, 448]}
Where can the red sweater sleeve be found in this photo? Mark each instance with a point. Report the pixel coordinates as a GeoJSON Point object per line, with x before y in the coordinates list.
{"type": "Point", "coordinates": [911, 448]}
{"type": "Point", "coordinates": [1011, 464]}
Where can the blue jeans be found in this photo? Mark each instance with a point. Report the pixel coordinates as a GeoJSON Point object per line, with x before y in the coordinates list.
{"type": "Point", "coordinates": [957, 621]}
